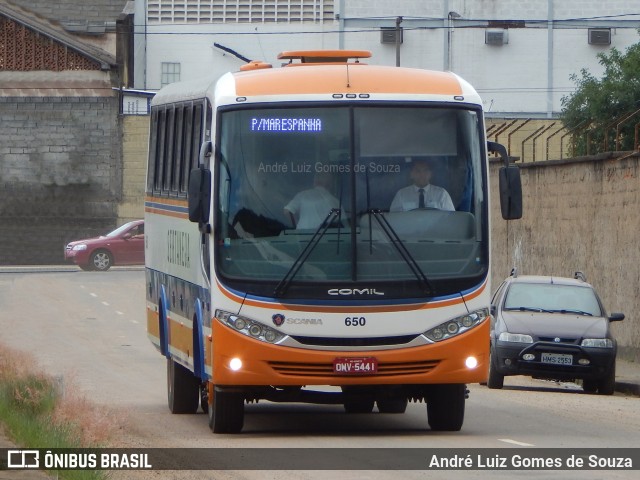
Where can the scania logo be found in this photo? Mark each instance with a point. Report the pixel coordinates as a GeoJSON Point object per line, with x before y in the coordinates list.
{"type": "Point", "coordinates": [278, 319]}
{"type": "Point", "coordinates": [354, 291]}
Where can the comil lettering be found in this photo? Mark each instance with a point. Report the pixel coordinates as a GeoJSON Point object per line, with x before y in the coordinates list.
{"type": "Point", "coordinates": [354, 291]}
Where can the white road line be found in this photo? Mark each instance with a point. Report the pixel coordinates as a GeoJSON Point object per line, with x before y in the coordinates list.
{"type": "Point", "coordinates": [119, 312]}
{"type": "Point", "coordinates": [106, 304]}
{"type": "Point", "coordinates": [93, 294]}
{"type": "Point", "coordinates": [515, 442]}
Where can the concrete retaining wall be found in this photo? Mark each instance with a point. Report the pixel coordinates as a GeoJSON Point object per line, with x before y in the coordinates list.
{"type": "Point", "coordinates": [579, 214]}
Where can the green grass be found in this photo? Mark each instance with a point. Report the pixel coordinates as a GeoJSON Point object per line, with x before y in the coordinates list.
{"type": "Point", "coordinates": [29, 412]}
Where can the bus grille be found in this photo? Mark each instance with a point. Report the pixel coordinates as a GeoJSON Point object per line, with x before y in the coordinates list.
{"type": "Point", "coordinates": [355, 342]}
{"type": "Point", "coordinates": [326, 369]}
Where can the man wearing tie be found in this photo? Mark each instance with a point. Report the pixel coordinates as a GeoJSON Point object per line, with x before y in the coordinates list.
{"type": "Point", "coordinates": [421, 194]}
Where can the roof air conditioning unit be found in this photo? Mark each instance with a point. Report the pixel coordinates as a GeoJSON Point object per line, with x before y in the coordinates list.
{"type": "Point", "coordinates": [496, 36]}
{"type": "Point", "coordinates": [388, 35]}
{"type": "Point", "coordinates": [599, 36]}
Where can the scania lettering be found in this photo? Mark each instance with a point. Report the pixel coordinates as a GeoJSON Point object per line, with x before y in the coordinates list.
{"type": "Point", "coordinates": [247, 301]}
{"type": "Point", "coordinates": [305, 321]}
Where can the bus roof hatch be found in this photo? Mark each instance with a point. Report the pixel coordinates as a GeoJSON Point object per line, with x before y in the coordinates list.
{"type": "Point", "coordinates": [323, 56]}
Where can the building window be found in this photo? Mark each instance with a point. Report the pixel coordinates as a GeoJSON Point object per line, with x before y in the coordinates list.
{"type": "Point", "coordinates": [170, 73]}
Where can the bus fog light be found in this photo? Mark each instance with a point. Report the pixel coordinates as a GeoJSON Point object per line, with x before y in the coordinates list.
{"type": "Point", "coordinates": [471, 362]}
{"type": "Point", "coordinates": [235, 364]}
{"type": "Point", "coordinates": [528, 356]}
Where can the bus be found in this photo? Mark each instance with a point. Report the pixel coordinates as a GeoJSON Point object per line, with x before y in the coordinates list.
{"type": "Point", "coordinates": [277, 268]}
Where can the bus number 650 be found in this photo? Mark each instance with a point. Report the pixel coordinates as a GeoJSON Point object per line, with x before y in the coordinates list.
{"type": "Point", "coordinates": [355, 321]}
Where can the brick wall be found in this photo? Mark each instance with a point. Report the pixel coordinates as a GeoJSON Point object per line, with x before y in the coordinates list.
{"type": "Point", "coordinates": [60, 174]}
{"type": "Point", "coordinates": [135, 141]}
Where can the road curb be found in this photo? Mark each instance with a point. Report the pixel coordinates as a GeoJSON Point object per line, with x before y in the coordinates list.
{"type": "Point", "coordinates": [60, 269]}
{"type": "Point", "coordinates": [628, 388]}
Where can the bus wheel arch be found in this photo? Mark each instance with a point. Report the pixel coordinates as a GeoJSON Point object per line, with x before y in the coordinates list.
{"type": "Point", "coordinates": [199, 355]}
{"type": "Point", "coordinates": [163, 323]}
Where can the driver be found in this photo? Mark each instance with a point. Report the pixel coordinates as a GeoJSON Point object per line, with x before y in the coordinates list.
{"type": "Point", "coordinates": [421, 194]}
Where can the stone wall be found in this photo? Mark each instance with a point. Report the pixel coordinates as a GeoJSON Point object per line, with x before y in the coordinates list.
{"type": "Point", "coordinates": [579, 214]}
{"type": "Point", "coordinates": [60, 174]}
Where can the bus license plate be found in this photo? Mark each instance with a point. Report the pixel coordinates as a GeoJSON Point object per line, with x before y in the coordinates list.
{"type": "Point", "coordinates": [355, 365]}
{"type": "Point", "coordinates": [557, 358]}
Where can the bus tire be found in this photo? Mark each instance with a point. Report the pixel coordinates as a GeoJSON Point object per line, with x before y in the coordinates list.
{"type": "Point", "coordinates": [204, 398]}
{"type": "Point", "coordinates": [359, 405]}
{"type": "Point", "coordinates": [226, 412]}
{"type": "Point", "coordinates": [183, 389]}
{"type": "Point", "coordinates": [445, 407]}
{"type": "Point", "coordinates": [392, 405]}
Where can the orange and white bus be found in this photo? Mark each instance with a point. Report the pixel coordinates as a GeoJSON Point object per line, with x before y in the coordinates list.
{"type": "Point", "coordinates": [283, 265]}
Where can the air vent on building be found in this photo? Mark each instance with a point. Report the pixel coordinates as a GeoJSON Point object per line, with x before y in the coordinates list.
{"type": "Point", "coordinates": [600, 36]}
{"type": "Point", "coordinates": [496, 36]}
{"type": "Point", "coordinates": [388, 35]}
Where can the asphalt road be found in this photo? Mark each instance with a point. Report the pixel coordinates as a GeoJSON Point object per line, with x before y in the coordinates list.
{"type": "Point", "coordinates": [88, 328]}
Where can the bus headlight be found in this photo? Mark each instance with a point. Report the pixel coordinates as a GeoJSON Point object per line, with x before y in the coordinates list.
{"type": "Point", "coordinates": [249, 327]}
{"type": "Point", "coordinates": [456, 326]}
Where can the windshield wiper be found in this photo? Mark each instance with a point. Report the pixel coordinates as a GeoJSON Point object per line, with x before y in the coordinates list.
{"type": "Point", "coordinates": [285, 283]}
{"type": "Point", "coordinates": [570, 310]}
{"type": "Point", "coordinates": [526, 309]}
{"type": "Point", "coordinates": [402, 250]}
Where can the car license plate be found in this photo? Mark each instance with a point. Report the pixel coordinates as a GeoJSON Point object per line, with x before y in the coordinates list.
{"type": "Point", "coordinates": [355, 365]}
{"type": "Point", "coordinates": [557, 358]}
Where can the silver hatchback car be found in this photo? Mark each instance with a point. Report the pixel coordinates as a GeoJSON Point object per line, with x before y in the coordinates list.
{"type": "Point", "coordinates": [553, 328]}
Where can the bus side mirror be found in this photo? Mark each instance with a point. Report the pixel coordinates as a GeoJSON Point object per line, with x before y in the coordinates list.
{"type": "Point", "coordinates": [510, 184]}
{"type": "Point", "coordinates": [510, 193]}
{"type": "Point", "coordinates": [199, 195]}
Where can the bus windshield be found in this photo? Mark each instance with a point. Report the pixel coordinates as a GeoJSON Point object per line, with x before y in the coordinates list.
{"type": "Point", "coordinates": [390, 197]}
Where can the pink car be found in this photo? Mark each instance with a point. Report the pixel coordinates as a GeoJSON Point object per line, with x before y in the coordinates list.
{"type": "Point", "coordinates": [123, 246]}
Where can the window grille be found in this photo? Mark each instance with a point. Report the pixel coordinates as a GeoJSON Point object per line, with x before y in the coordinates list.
{"type": "Point", "coordinates": [239, 11]}
{"type": "Point", "coordinates": [22, 49]}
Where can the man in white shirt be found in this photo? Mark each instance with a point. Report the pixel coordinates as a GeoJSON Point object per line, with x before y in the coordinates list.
{"type": "Point", "coordinates": [421, 194]}
{"type": "Point", "coordinates": [309, 208]}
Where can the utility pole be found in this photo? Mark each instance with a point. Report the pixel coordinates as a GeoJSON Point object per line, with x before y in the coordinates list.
{"type": "Point", "coordinates": [398, 33]}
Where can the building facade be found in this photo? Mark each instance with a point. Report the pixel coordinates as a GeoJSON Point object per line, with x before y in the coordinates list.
{"type": "Point", "coordinates": [519, 55]}
{"type": "Point", "coordinates": [61, 150]}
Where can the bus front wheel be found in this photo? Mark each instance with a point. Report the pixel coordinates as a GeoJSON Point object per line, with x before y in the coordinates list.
{"type": "Point", "coordinates": [183, 389]}
{"type": "Point", "coordinates": [445, 407]}
{"type": "Point", "coordinates": [226, 412]}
